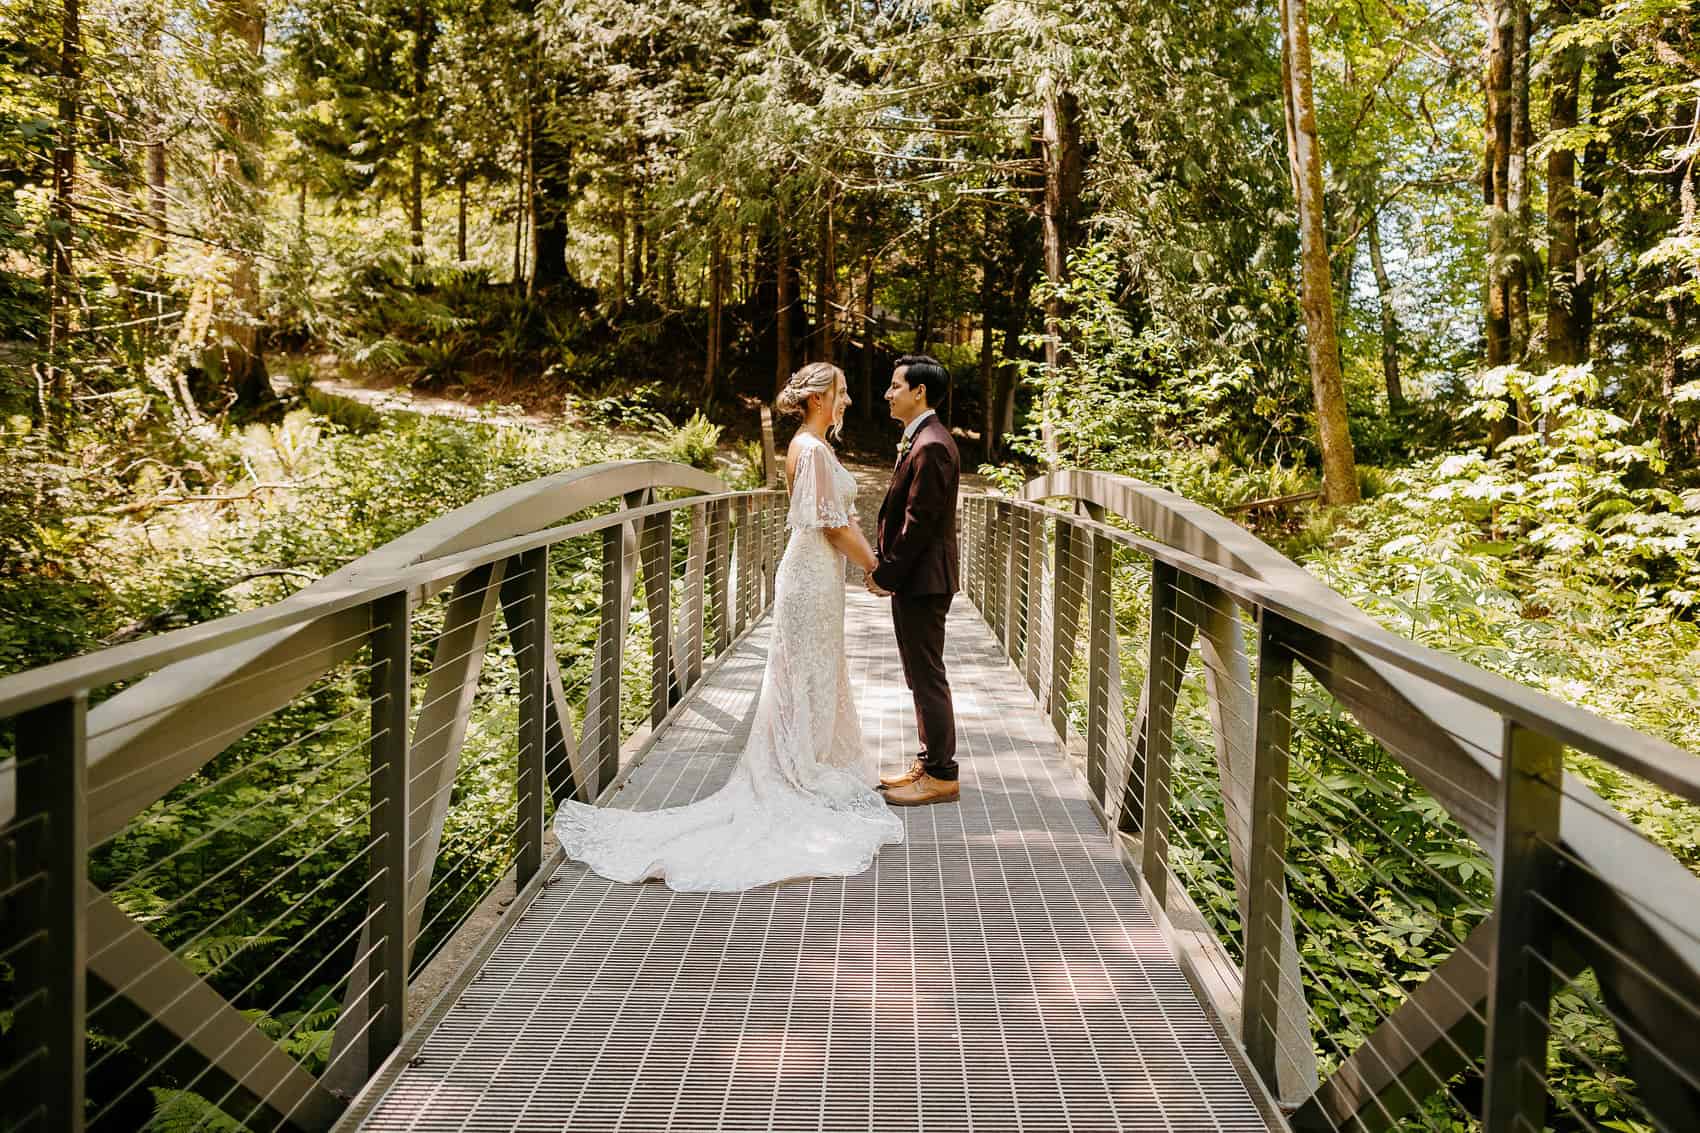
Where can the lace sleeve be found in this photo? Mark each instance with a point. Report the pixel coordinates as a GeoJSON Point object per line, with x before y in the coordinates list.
{"type": "Point", "coordinates": [814, 493]}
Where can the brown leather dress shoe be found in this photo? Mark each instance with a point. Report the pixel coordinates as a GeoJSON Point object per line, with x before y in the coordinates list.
{"type": "Point", "coordinates": [916, 770]}
{"type": "Point", "coordinates": [924, 792]}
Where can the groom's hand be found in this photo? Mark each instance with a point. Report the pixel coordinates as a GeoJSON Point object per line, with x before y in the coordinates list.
{"type": "Point", "coordinates": [875, 588]}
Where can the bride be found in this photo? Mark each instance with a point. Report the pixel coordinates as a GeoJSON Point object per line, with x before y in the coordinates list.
{"type": "Point", "coordinates": [798, 803]}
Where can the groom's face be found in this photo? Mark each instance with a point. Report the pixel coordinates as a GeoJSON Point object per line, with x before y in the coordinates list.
{"type": "Point", "coordinates": [905, 402]}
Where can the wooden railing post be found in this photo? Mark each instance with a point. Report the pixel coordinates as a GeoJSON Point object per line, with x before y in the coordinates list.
{"type": "Point", "coordinates": [49, 906]}
{"type": "Point", "coordinates": [656, 552]}
{"type": "Point", "coordinates": [1520, 991]}
{"type": "Point", "coordinates": [1100, 614]}
{"type": "Point", "coordinates": [688, 654]}
{"type": "Point", "coordinates": [776, 534]}
{"type": "Point", "coordinates": [1266, 899]}
{"type": "Point", "coordinates": [604, 706]}
{"type": "Point", "coordinates": [1162, 682]}
{"type": "Point", "coordinates": [749, 560]}
{"type": "Point", "coordinates": [390, 693]}
{"type": "Point", "coordinates": [981, 553]}
{"type": "Point", "coordinates": [1032, 626]}
{"type": "Point", "coordinates": [1014, 592]}
{"type": "Point", "coordinates": [1065, 623]}
{"type": "Point", "coordinates": [531, 571]}
{"type": "Point", "coordinates": [720, 572]}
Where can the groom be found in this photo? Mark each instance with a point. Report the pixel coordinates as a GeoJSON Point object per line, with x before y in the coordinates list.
{"type": "Point", "coordinates": [916, 546]}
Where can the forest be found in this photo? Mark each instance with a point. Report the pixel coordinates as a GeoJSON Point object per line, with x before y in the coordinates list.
{"type": "Point", "coordinates": [1411, 287]}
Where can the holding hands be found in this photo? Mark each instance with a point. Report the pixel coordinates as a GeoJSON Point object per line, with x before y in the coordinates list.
{"type": "Point", "coordinates": [868, 569]}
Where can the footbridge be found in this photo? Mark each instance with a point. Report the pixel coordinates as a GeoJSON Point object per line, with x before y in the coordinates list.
{"type": "Point", "coordinates": [1229, 855]}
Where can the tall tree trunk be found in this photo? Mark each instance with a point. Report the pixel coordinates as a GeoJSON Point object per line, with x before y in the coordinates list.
{"type": "Point", "coordinates": [1517, 203]}
{"type": "Point", "coordinates": [1022, 268]}
{"type": "Point", "coordinates": [622, 266]}
{"type": "Point", "coordinates": [1591, 273]}
{"type": "Point", "coordinates": [520, 213]}
{"type": "Point", "coordinates": [1064, 174]}
{"type": "Point", "coordinates": [236, 329]}
{"type": "Point", "coordinates": [1496, 176]}
{"type": "Point", "coordinates": [716, 288]}
{"type": "Point", "coordinates": [158, 214]}
{"type": "Point", "coordinates": [551, 168]}
{"type": "Point", "coordinates": [1389, 319]}
{"type": "Point", "coordinates": [639, 237]}
{"type": "Point", "coordinates": [868, 338]}
{"type": "Point", "coordinates": [1676, 370]}
{"type": "Point", "coordinates": [988, 353]}
{"type": "Point", "coordinates": [786, 297]}
{"type": "Point", "coordinates": [416, 143]}
{"type": "Point", "coordinates": [460, 220]}
{"type": "Point", "coordinates": [826, 288]}
{"type": "Point", "coordinates": [1564, 265]}
{"type": "Point", "coordinates": [1505, 192]}
{"type": "Point", "coordinates": [1339, 466]}
{"type": "Point", "coordinates": [924, 326]}
{"type": "Point", "coordinates": [53, 397]}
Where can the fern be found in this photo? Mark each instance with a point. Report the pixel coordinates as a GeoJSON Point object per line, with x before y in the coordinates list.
{"type": "Point", "coordinates": [184, 1111]}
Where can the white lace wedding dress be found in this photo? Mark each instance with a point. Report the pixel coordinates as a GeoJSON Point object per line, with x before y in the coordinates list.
{"type": "Point", "coordinates": [800, 802]}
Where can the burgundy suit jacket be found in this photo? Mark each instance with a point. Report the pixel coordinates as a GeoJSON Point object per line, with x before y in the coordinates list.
{"type": "Point", "coordinates": [916, 539]}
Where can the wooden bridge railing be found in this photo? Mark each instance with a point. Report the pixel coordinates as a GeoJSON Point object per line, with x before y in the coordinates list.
{"type": "Point", "coordinates": [358, 700]}
{"type": "Point", "coordinates": [1212, 824]}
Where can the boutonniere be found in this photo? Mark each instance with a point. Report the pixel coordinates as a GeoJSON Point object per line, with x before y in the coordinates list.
{"type": "Point", "coordinates": [903, 447]}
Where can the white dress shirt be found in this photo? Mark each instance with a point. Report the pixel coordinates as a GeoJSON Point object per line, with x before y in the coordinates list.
{"type": "Point", "coordinates": [912, 427]}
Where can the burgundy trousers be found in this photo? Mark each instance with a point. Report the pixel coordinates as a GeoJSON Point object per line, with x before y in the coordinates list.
{"type": "Point", "coordinates": [919, 622]}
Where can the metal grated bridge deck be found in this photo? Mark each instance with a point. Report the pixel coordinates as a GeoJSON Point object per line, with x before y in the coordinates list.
{"type": "Point", "coordinates": [995, 972]}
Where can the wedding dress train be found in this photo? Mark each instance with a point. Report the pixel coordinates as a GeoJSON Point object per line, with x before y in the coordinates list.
{"type": "Point", "coordinates": [799, 802]}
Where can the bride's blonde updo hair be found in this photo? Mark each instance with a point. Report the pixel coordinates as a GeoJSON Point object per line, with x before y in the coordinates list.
{"type": "Point", "coordinates": [816, 377]}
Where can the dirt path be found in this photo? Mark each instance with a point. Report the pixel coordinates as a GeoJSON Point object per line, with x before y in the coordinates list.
{"type": "Point", "coordinates": [392, 399]}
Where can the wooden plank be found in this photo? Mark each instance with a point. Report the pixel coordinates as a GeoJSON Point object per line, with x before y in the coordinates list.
{"type": "Point", "coordinates": [390, 684]}
{"type": "Point", "coordinates": [1170, 643]}
{"type": "Point", "coordinates": [687, 657]}
{"type": "Point", "coordinates": [1100, 620]}
{"type": "Point", "coordinates": [1068, 570]}
{"type": "Point", "coordinates": [602, 715]}
{"type": "Point", "coordinates": [1012, 594]}
{"type": "Point", "coordinates": [772, 468]}
{"type": "Point", "coordinates": [125, 957]}
{"type": "Point", "coordinates": [528, 625]}
{"type": "Point", "coordinates": [1033, 628]}
{"type": "Point", "coordinates": [657, 556]}
{"type": "Point", "coordinates": [1266, 882]}
{"type": "Point", "coordinates": [720, 572]}
{"type": "Point", "coordinates": [51, 771]}
{"type": "Point", "coordinates": [1520, 984]}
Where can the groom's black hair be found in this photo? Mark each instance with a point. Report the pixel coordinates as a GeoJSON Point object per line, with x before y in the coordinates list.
{"type": "Point", "coordinates": [925, 370]}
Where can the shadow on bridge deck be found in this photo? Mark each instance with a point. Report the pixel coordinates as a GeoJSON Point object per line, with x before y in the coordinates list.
{"type": "Point", "coordinates": [997, 971]}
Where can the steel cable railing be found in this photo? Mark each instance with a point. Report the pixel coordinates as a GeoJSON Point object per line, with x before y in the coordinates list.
{"type": "Point", "coordinates": [1292, 787]}
{"type": "Point", "coordinates": [266, 885]}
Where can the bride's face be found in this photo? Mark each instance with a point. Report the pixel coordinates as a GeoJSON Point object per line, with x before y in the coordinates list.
{"type": "Point", "coordinates": [841, 402]}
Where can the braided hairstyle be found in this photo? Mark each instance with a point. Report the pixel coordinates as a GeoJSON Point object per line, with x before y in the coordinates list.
{"type": "Point", "coordinates": [816, 377]}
